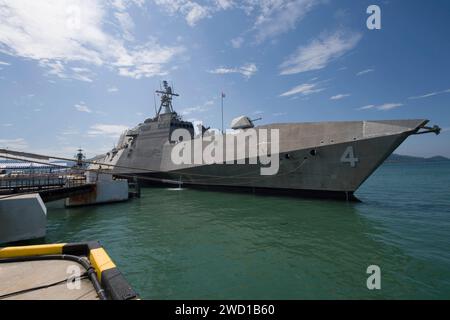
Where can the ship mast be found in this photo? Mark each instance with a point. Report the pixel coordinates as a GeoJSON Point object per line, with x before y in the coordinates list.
{"type": "Point", "coordinates": [80, 158]}
{"type": "Point", "coordinates": [166, 99]}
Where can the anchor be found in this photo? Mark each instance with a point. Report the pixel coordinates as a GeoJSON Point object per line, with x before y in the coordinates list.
{"type": "Point", "coordinates": [434, 129]}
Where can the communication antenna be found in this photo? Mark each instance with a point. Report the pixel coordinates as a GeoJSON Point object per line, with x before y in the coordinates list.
{"type": "Point", "coordinates": [173, 88]}
{"type": "Point", "coordinates": [154, 99]}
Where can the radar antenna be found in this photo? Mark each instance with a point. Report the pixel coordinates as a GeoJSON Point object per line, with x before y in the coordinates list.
{"type": "Point", "coordinates": [166, 99]}
{"type": "Point", "coordinates": [80, 158]}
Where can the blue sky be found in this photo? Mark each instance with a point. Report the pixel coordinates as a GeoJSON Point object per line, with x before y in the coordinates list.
{"type": "Point", "coordinates": [75, 73]}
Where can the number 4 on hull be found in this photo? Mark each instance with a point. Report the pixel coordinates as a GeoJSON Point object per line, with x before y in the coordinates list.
{"type": "Point", "coordinates": [349, 157]}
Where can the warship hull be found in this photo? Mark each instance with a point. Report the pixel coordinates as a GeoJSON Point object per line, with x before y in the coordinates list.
{"type": "Point", "coordinates": [326, 159]}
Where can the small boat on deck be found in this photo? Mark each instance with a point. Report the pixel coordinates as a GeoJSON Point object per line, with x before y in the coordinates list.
{"type": "Point", "coordinates": [79, 271]}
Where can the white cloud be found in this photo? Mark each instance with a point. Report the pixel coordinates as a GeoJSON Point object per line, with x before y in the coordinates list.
{"type": "Point", "coordinates": [121, 5]}
{"type": "Point", "coordinates": [70, 131]}
{"type": "Point", "coordinates": [320, 52]}
{"type": "Point", "coordinates": [4, 63]}
{"type": "Point", "coordinates": [191, 10]}
{"type": "Point", "coordinates": [188, 111]}
{"type": "Point", "coordinates": [370, 106]}
{"type": "Point", "coordinates": [224, 4]}
{"type": "Point", "coordinates": [271, 17]}
{"type": "Point", "coordinates": [82, 108]}
{"type": "Point", "coordinates": [7, 125]}
{"type": "Point", "coordinates": [108, 130]}
{"type": "Point", "coordinates": [365, 72]}
{"type": "Point", "coordinates": [113, 89]}
{"type": "Point", "coordinates": [58, 69]}
{"type": "Point", "coordinates": [15, 144]}
{"type": "Point", "coordinates": [195, 13]}
{"type": "Point", "coordinates": [382, 107]}
{"type": "Point", "coordinates": [304, 89]}
{"type": "Point", "coordinates": [247, 70]}
{"type": "Point", "coordinates": [389, 106]}
{"type": "Point", "coordinates": [201, 108]}
{"type": "Point", "coordinates": [237, 42]}
{"type": "Point", "coordinates": [146, 61]}
{"type": "Point", "coordinates": [431, 94]}
{"type": "Point", "coordinates": [82, 74]}
{"type": "Point", "coordinates": [279, 16]}
{"type": "Point", "coordinates": [124, 19]}
{"type": "Point", "coordinates": [61, 33]}
{"type": "Point", "coordinates": [340, 96]}
{"type": "Point", "coordinates": [126, 23]}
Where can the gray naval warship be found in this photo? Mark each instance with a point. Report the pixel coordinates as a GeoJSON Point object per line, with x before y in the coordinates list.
{"type": "Point", "coordinates": [323, 159]}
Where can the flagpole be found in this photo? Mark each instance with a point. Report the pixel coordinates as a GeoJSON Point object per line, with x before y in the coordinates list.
{"type": "Point", "coordinates": [222, 111]}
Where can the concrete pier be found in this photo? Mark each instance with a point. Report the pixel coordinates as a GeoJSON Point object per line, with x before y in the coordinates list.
{"type": "Point", "coordinates": [107, 190]}
{"type": "Point", "coordinates": [61, 271]}
{"type": "Point", "coordinates": [21, 276]}
{"type": "Point", "coordinates": [22, 217]}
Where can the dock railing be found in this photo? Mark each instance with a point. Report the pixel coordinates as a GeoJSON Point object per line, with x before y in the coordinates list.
{"type": "Point", "coordinates": [18, 182]}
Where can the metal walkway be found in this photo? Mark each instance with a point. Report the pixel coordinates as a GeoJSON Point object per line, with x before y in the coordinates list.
{"type": "Point", "coordinates": [50, 186]}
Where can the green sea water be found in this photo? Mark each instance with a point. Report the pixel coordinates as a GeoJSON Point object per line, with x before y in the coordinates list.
{"type": "Point", "coordinates": [189, 244]}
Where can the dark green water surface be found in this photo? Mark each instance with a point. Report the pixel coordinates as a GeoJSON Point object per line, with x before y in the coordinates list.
{"type": "Point", "coordinates": [189, 244]}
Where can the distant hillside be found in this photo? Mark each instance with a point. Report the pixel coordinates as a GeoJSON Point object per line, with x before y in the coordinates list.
{"type": "Point", "coordinates": [401, 158]}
